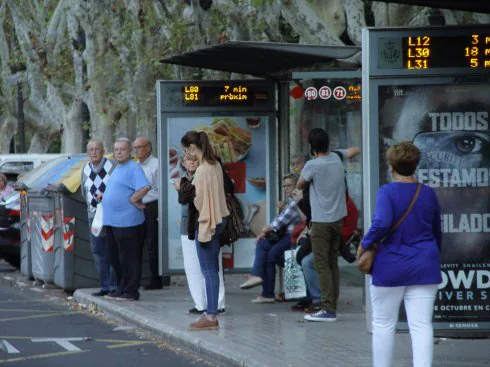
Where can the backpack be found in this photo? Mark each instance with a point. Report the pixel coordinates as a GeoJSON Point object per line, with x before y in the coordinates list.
{"type": "Point", "coordinates": [234, 228]}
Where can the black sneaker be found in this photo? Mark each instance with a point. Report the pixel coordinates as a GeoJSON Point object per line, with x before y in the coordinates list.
{"type": "Point", "coordinates": [100, 293]}
{"type": "Point", "coordinates": [153, 286]}
{"type": "Point", "coordinates": [302, 304]}
{"type": "Point", "coordinates": [195, 311]}
{"type": "Point", "coordinates": [222, 311]}
{"type": "Point", "coordinates": [113, 294]}
{"type": "Point", "coordinates": [126, 297]}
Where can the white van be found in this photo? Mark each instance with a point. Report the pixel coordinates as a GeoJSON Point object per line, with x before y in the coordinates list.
{"type": "Point", "coordinates": [22, 163]}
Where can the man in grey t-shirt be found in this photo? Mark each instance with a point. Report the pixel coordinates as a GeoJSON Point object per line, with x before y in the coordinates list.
{"type": "Point", "coordinates": [325, 176]}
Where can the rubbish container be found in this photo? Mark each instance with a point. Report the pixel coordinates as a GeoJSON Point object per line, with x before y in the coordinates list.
{"type": "Point", "coordinates": [29, 219]}
{"type": "Point", "coordinates": [74, 265]}
{"type": "Point", "coordinates": [41, 209]}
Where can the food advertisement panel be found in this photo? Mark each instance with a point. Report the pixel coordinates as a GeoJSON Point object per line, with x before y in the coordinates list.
{"type": "Point", "coordinates": [450, 125]}
{"type": "Point", "coordinates": [241, 143]}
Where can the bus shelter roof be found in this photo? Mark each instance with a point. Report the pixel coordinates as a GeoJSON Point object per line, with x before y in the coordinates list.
{"type": "Point", "coordinates": [478, 6]}
{"type": "Point", "coordinates": [268, 59]}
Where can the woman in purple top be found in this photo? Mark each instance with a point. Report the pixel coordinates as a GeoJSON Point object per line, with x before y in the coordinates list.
{"type": "Point", "coordinates": [407, 264]}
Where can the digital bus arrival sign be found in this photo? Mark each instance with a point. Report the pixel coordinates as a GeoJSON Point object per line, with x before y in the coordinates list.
{"type": "Point", "coordinates": [432, 50]}
{"type": "Point", "coordinates": [424, 52]}
{"type": "Point", "coordinates": [206, 95]}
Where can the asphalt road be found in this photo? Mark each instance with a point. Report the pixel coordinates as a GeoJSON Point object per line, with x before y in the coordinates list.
{"type": "Point", "coordinates": [41, 330]}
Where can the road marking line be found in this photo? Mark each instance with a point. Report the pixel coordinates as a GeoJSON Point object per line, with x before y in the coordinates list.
{"type": "Point", "coordinates": [16, 310]}
{"type": "Point", "coordinates": [118, 343]}
{"type": "Point", "coordinates": [62, 342]}
{"type": "Point", "coordinates": [39, 316]}
{"type": "Point", "coordinates": [130, 344]}
{"type": "Point", "coordinates": [123, 328]}
{"type": "Point", "coordinates": [7, 347]}
{"type": "Point", "coordinates": [9, 337]}
{"type": "Point", "coordinates": [26, 301]}
{"type": "Point", "coordinates": [41, 356]}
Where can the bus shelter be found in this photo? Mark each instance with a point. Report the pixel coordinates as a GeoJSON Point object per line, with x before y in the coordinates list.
{"type": "Point", "coordinates": [270, 113]}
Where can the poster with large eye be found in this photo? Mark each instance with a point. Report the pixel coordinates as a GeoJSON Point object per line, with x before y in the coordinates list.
{"type": "Point", "coordinates": [450, 126]}
{"type": "Point", "coordinates": [241, 143]}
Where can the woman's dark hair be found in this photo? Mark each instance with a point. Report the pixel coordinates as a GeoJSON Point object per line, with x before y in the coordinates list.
{"type": "Point", "coordinates": [200, 139]}
{"type": "Point", "coordinates": [403, 158]}
{"type": "Point", "coordinates": [318, 140]}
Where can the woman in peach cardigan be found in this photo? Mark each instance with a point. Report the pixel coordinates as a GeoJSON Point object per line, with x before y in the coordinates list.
{"type": "Point", "coordinates": [210, 202]}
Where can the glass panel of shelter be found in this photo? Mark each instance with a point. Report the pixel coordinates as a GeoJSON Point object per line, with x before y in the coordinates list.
{"type": "Point", "coordinates": [332, 104]}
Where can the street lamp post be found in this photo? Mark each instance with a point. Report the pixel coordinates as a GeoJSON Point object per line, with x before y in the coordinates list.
{"type": "Point", "coordinates": [20, 119]}
{"type": "Point", "coordinates": [16, 79]}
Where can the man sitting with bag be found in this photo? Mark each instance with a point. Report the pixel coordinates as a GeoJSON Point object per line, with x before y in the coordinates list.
{"type": "Point", "coordinates": [271, 244]}
{"type": "Point", "coordinates": [304, 257]}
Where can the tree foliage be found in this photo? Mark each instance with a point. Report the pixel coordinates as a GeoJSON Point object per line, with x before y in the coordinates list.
{"type": "Point", "coordinates": [102, 56]}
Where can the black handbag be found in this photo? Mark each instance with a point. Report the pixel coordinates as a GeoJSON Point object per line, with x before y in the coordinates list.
{"type": "Point", "coordinates": [304, 249]}
{"type": "Point", "coordinates": [275, 236]}
{"type": "Point", "coordinates": [234, 228]}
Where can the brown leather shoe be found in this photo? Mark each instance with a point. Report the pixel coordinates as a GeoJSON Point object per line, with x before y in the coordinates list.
{"type": "Point", "coordinates": [204, 324]}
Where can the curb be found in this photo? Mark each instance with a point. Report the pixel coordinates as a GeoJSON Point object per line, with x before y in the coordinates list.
{"type": "Point", "coordinates": [172, 336]}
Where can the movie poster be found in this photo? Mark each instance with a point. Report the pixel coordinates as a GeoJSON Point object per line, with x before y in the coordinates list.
{"type": "Point", "coordinates": [241, 143]}
{"type": "Point", "coordinates": [450, 125]}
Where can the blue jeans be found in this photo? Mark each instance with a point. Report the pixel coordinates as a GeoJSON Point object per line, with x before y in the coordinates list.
{"type": "Point", "coordinates": [311, 279]}
{"type": "Point", "coordinates": [267, 256]}
{"type": "Point", "coordinates": [100, 252]}
{"type": "Point", "coordinates": [208, 254]}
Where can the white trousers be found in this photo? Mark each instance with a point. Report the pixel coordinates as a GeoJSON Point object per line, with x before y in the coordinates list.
{"type": "Point", "coordinates": [195, 279]}
{"type": "Point", "coordinates": [419, 305]}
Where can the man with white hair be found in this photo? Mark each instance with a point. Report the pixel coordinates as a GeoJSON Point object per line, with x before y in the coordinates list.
{"type": "Point", "coordinates": [95, 175]}
{"type": "Point", "coordinates": [143, 149]}
{"type": "Point", "coordinates": [124, 220]}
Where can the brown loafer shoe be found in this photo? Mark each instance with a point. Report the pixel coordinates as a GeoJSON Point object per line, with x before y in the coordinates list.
{"type": "Point", "coordinates": [204, 324]}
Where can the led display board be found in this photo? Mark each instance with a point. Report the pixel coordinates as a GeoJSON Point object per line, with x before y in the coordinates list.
{"type": "Point", "coordinates": [431, 50]}
{"type": "Point", "coordinates": [424, 52]}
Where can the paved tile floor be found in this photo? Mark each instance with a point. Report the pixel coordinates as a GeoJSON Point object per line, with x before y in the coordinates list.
{"type": "Point", "coordinates": [272, 335]}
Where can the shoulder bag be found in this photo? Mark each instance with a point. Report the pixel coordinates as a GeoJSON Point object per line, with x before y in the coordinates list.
{"type": "Point", "coordinates": [366, 258]}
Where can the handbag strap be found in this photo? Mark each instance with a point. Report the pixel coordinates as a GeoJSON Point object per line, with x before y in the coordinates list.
{"type": "Point", "coordinates": [397, 224]}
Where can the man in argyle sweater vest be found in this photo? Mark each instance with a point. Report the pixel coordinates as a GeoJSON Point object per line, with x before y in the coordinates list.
{"type": "Point", "coordinates": [95, 175]}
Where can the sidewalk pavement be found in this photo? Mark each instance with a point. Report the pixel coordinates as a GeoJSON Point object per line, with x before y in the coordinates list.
{"type": "Point", "coordinates": [272, 335]}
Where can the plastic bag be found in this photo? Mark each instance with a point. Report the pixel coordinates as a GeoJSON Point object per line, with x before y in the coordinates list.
{"type": "Point", "coordinates": [97, 225]}
{"type": "Point", "coordinates": [294, 281]}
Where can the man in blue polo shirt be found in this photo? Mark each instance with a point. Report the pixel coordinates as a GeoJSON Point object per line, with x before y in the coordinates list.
{"type": "Point", "coordinates": [124, 219]}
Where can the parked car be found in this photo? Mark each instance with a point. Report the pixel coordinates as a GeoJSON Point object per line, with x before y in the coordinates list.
{"type": "Point", "coordinates": [10, 229]}
{"type": "Point", "coordinates": [23, 163]}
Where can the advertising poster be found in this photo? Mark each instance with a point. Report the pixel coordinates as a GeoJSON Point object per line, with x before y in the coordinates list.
{"type": "Point", "coordinates": [241, 142]}
{"type": "Point", "coordinates": [450, 125]}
